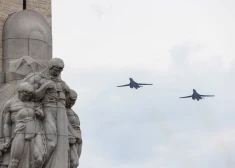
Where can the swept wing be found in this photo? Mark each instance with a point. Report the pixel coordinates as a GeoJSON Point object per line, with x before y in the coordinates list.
{"type": "Point", "coordinates": [124, 85]}
{"type": "Point", "coordinates": [144, 84]}
{"type": "Point", "coordinates": [186, 96]}
{"type": "Point", "coordinates": [207, 95]}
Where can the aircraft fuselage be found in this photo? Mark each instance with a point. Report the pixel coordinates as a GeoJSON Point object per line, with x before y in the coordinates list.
{"type": "Point", "coordinates": [196, 95]}
{"type": "Point", "coordinates": [133, 84]}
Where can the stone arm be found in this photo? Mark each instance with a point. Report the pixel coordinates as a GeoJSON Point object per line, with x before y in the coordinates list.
{"type": "Point", "coordinates": [39, 93]}
{"type": "Point", "coordinates": [40, 89]}
{"type": "Point", "coordinates": [66, 87]}
{"type": "Point", "coordinates": [77, 120]}
{"type": "Point", "coordinates": [7, 122]}
{"type": "Point", "coordinates": [39, 112]}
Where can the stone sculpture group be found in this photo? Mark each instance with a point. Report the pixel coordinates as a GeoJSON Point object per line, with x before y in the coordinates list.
{"type": "Point", "coordinates": [39, 127]}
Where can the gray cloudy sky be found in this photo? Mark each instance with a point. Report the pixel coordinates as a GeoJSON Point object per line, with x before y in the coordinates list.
{"type": "Point", "coordinates": [177, 45]}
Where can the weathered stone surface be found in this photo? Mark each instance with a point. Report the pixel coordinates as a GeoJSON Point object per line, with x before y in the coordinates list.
{"type": "Point", "coordinates": [43, 7]}
{"type": "Point", "coordinates": [26, 33]}
{"type": "Point", "coordinates": [8, 7]}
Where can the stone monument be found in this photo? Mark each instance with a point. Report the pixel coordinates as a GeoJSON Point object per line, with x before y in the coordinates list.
{"type": "Point", "coordinates": [38, 128]}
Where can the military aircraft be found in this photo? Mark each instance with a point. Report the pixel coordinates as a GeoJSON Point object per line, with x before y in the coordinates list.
{"type": "Point", "coordinates": [197, 96]}
{"type": "Point", "coordinates": [134, 84]}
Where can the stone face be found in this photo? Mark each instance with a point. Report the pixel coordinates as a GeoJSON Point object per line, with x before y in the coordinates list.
{"type": "Point", "coordinates": [8, 7]}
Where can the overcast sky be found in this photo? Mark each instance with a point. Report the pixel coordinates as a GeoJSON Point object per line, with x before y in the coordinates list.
{"type": "Point", "coordinates": [178, 45]}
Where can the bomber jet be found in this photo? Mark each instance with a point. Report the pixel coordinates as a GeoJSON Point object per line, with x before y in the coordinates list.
{"type": "Point", "coordinates": [134, 84]}
{"type": "Point", "coordinates": [197, 96]}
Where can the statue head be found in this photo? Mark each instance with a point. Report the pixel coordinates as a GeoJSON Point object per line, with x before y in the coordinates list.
{"type": "Point", "coordinates": [72, 99]}
{"type": "Point", "coordinates": [56, 66]}
{"type": "Point", "coordinates": [25, 91]}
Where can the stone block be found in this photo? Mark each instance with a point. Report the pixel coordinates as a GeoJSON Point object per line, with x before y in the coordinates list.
{"type": "Point", "coordinates": [8, 7]}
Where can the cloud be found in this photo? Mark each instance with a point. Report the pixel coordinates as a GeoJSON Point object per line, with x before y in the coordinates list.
{"type": "Point", "coordinates": [181, 53]}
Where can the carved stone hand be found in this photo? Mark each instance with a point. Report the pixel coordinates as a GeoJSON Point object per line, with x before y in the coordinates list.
{"type": "Point", "coordinates": [50, 84]}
